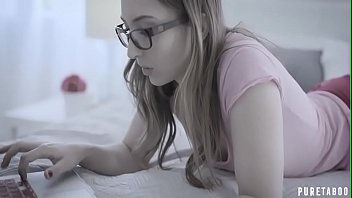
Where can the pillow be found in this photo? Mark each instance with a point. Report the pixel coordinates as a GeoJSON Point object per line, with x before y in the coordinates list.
{"type": "Point", "coordinates": [303, 64]}
{"type": "Point", "coordinates": [335, 58]}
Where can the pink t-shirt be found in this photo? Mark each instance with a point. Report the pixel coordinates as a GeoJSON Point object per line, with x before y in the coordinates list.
{"type": "Point", "coordinates": [316, 125]}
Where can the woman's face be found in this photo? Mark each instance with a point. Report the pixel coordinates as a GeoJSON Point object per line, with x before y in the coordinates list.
{"type": "Point", "coordinates": [169, 55]}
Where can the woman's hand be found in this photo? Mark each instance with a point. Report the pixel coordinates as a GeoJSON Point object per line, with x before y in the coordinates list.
{"type": "Point", "coordinates": [64, 156]}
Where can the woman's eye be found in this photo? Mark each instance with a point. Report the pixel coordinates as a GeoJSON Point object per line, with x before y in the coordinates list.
{"type": "Point", "coordinates": [125, 27]}
{"type": "Point", "coordinates": [144, 33]}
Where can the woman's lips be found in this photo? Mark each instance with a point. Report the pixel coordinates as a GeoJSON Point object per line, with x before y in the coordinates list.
{"type": "Point", "coordinates": [147, 70]}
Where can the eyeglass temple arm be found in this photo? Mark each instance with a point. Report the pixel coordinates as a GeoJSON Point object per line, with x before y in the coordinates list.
{"type": "Point", "coordinates": [166, 26]}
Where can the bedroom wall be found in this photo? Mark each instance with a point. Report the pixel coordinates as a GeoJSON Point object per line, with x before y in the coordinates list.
{"type": "Point", "coordinates": [303, 21]}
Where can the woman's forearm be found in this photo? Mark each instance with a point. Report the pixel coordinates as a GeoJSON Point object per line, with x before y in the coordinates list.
{"type": "Point", "coordinates": [110, 159]}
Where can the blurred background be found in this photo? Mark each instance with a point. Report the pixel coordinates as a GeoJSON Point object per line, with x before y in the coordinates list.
{"type": "Point", "coordinates": [44, 41]}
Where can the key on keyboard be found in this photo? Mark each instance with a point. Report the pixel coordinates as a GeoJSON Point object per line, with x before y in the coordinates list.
{"type": "Point", "coordinates": [9, 188]}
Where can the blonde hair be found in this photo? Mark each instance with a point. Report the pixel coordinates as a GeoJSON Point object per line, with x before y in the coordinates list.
{"type": "Point", "coordinates": [200, 79]}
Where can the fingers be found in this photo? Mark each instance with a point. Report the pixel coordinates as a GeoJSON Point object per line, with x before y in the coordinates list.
{"type": "Point", "coordinates": [26, 158]}
{"type": "Point", "coordinates": [4, 148]}
{"type": "Point", "coordinates": [11, 151]}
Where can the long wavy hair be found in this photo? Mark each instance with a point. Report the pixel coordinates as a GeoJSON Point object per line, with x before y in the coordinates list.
{"type": "Point", "coordinates": [197, 93]}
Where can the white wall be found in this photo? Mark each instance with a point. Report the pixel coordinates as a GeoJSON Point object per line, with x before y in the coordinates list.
{"type": "Point", "coordinates": [297, 20]}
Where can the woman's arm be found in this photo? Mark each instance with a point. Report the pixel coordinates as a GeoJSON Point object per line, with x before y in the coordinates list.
{"type": "Point", "coordinates": [117, 159]}
{"type": "Point", "coordinates": [110, 159]}
{"type": "Point", "coordinates": [257, 135]}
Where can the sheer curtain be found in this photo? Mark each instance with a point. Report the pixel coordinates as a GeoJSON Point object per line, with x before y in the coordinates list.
{"type": "Point", "coordinates": [42, 41]}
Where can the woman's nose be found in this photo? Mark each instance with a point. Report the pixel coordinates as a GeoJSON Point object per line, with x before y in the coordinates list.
{"type": "Point", "coordinates": [132, 51]}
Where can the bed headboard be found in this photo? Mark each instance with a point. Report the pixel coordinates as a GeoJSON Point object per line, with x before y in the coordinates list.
{"type": "Point", "coordinates": [292, 22]}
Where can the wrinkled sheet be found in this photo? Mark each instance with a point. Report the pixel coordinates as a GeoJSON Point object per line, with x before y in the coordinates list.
{"type": "Point", "coordinates": [107, 124]}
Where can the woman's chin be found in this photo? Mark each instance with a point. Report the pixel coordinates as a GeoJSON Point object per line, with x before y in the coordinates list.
{"type": "Point", "coordinates": [157, 82]}
{"type": "Point", "coordinates": [154, 82]}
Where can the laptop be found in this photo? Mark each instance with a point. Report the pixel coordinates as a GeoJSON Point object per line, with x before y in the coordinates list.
{"type": "Point", "coordinates": [68, 185]}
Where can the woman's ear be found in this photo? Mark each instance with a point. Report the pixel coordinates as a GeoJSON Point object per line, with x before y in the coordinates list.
{"type": "Point", "coordinates": [205, 26]}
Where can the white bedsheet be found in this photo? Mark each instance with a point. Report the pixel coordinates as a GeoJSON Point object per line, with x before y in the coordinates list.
{"type": "Point", "coordinates": [155, 183]}
{"type": "Point", "coordinates": [103, 126]}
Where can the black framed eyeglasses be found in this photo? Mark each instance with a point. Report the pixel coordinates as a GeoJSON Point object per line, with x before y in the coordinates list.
{"type": "Point", "coordinates": [142, 38]}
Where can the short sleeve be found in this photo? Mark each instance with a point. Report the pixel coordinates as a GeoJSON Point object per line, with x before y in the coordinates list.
{"type": "Point", "coordinates": [246, 66]}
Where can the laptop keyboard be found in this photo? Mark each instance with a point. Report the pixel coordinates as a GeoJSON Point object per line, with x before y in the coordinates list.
{"type": "Point", "coordinates": [9, 188]}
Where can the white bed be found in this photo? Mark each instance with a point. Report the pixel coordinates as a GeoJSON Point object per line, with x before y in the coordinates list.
{"type": "Point", "coordinates": [325, 40]}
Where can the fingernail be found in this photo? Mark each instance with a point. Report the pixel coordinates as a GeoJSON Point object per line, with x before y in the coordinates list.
{"type": "Point", "coordinates": [50, 173]}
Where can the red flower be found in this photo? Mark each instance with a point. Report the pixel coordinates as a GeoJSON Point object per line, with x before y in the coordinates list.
{"type": "Point", "coordinates": [73, 83]}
